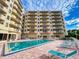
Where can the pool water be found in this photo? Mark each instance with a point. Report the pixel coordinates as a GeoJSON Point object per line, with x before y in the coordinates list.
{"type": "Point", "coordinates": [17, 46]}
{"type": "Point", "coordinates": [56, 53]}
{"type": "Point", "coordinates": [72, 53]}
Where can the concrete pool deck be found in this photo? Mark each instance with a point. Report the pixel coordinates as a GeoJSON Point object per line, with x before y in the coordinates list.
{"type": "Point", "coordinates": [40, 52]}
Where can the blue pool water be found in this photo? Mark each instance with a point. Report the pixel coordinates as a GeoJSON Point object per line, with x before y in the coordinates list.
{"type": "Point", "coordinates": [70, 54]}
{"type": "Point", "coordinates": [56, 53]}
{"type": "Point", "coordinates": [17, 46]}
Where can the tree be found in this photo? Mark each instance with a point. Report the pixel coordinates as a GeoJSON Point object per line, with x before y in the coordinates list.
{"type": "Point", "coordinates": [73, 33]}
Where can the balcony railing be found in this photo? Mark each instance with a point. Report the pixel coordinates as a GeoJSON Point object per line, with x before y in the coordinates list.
{"type": "Point", "coordinates": [2, 9]}
{"type": "Point", "coordinates": [18, 11]}
{"type": "Point", "coordinates": [18, 4]}
{"type": "Point", "coordinates": [15, 24]}
{"type": "Point", "coordinates": [2, 17]}
{"type": "Point", "coordinates": [4, 2]}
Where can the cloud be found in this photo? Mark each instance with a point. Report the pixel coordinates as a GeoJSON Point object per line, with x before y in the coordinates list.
{"type": "Point", "coordinates": [77, 26]}
{"type": "Point", "coordinates": [64, 5]}
{"type": "Point", "coordinates": [73, 21]}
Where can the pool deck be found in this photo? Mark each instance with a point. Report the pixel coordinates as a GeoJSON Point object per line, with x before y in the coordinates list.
{"type": "Point", "coordinates": [40, 52]}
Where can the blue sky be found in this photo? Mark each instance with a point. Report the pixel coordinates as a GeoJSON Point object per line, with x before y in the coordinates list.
{"type": "Point", "coordinates": [70, 9]}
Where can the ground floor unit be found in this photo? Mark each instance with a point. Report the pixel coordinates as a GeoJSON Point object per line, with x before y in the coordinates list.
{"type": "Point", "coordinates": [49, 36]}
{"type": "Point", "coordinates": [9, 33]}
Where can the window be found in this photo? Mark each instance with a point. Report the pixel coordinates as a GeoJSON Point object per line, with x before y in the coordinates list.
{"type": "Point", "coordinates": [28, 29]}
{"type": "Point", "coordinates": [38, 29]}
{"type": "Point", "coordinates": [57, 36]}
{"type": "Point", "coordinates": [38, 22]}
{"type": "Point", "coordinates": [6, 24]}
{"type": "Point", "coordinates": [40, 36]}
{"type": "Point", "coordinates": [10, 5]}
{"type": "Point", "coordinates": [8, 0]}
{"type": "Point", "coordinates": [32, 30]}
{"type": "Point", "coordinates": [8, 17]}
{"type": "Point", "coordinates": [51, 29]}
{"type": "Point", "coordinates": [9, 11]}
{"type": "Point", "coordinates": [44, 26]}
{"type": "Point", "coordinates": [1, 22]}
{"type": "Point", "coordinates": [44, 30]}
{"type": "Point", "coordinates": [25, 30]}
{"type": "Point", "coordinates": [25, 26]}
{"type": "Point", "coordinates": [38, 26]}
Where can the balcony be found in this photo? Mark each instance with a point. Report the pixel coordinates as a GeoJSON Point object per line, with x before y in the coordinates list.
{"type": "Point", "coordinates": [57, 23]}
{"type": "Point", "coordinates": [60, 21]}
{"type": "Point", "coordinates": [44, 18]}
{"type": "Point", "coordinates": [15, 12]}
{"type": "Point", "coordinates": [31, 21]}
{"type": "Point", "coordinates": [13, 17]}
{"type": "Point", "coordinates": [32, 33]}
{"type": "Point", "coordinates": [32, 29]}
{"type": "Point", "coordinates": [58, 32]}
{"type": "Point", "coordinates": [1, 21]}
{"type": "Point", "coordinates": [31, 25]}
{"type": "Point", "coordinates": [45, 33]}
{"type": "Point", "coordinates": [42, 14]}
{"type": "Point", "coordinates": [2, 9]}
{"type": "Point", "coordinates": [18, 4]}
{"type": "Point", "coordinates": [14, 24]}
{"type": "Point", "coordinates": [29, 18]}
{"type": "Point", "coordinates": [18, 11]}
{"type": "Point", "coordinates": [4, 2]}
{"type": "Point", "coordinates": [55, 14]}
{"type": "Point", "coordinates": [44, 21]}
{"type": "Point", "coordinates": [2, 17]}
{"type": "Point", "coordinates": [32, 14]}
{"type": "Point", "coordinates": [47, 27]}
{"type": "Point", "coordinates": [47, 24]}
{"type": "Point", "coordinates": [56, 17]}
{"type": "Point", "coordinates": [57, 27]}
{"type": "Point", "coordinates": [12, 29]}
{"type": "Point", "coordinates": [44, 29]}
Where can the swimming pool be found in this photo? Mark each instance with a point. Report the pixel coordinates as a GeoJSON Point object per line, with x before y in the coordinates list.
{"type": "Point", "coordinates": [14, 47]}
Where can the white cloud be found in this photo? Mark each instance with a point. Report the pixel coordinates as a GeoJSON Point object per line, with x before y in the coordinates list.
{"type": "Point", "coordinates": [64, 5]}
{"type": "Point", "coordinates": [73, 21]}
{"type": "Point", "coordinates": [77, 26]}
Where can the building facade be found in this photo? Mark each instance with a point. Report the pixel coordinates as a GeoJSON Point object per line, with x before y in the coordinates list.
{"type": "Point", "coordinates": [43, 25]}
{"type": "Point", "coordinates": [10, 19]}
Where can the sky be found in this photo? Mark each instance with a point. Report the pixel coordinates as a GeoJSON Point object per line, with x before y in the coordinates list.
{"type": "Point", "coordinates": [69, 8]}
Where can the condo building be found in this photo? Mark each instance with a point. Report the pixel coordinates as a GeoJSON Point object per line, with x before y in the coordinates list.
{"type": "Point", "coordinates": [43, 25]}
{"type": "Point", "coordinates": [10, 19]}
